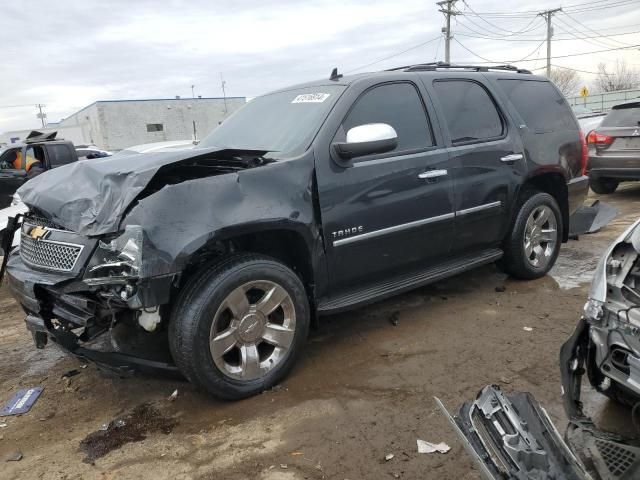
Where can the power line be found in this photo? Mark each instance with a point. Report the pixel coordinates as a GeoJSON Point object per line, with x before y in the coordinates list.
{"type": "Point", "coordinates": [591, 29]}
{"type": "Point", "coordinates": [17, 106]}
{"type": "Point", "coordinates": [569, 30]}
{"type": "Point", "coordinates": [395, 54]}
{"type": "Point", "coordinates": [510, 61]}
{"type": "Point", "coordinates": [574, 69]}
{"type": "Point", "coordinates": [572, 39]}
{"type": "Point", "coordinates": [573, 8]}
{"type": "Point", "coordinates": [496, 26]}
{"type": "Point", "coordinates": [544, 58]}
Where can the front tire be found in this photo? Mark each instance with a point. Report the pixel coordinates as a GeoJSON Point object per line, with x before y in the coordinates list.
{"type": "Point", "coordinates": [237, 328]}
{"type": "Point", "coordinates": [532, 247]}
{"type": "Point", "coordinates": [603, 186]}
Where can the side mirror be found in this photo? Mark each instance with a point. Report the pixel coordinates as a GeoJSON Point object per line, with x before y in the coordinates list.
{"type": "Point", "coordinates": [367, 139]}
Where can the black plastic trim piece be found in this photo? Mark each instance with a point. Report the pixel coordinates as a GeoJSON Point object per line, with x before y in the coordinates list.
{"type": "Point", "coordinates": [407, 282]}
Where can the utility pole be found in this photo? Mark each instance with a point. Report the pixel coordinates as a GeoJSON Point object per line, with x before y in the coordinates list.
{"type": "Point", "coordinates": [41, 115]}
{"type": "Point", "coordinates": [224, 94]}
{"type": "Point", "coordinates": [448, 13]}
{"type": "Point", "coordinates": [193, 95]}
{"type": "Point", "coordinates": [547, 14]}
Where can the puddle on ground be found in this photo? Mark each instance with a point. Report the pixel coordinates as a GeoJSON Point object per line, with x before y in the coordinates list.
{"type": "Point", "coordinates": [132, 427]}
{"type": "Point", "coordinates": [574, 267]}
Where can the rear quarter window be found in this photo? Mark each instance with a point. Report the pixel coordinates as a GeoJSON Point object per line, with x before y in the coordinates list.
{"type": "Point", "coordinates": [623, 117]}
{"type": "Point", "coordinates": [469, 111]}
{"type": "Point", "coordinates": [540, 105]}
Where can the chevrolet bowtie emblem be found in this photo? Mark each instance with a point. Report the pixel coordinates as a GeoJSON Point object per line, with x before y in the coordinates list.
{"type": "Point", "coordinates": [38, 233]}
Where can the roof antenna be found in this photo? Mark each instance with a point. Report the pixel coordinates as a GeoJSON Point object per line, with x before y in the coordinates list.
{"type": "Point", "coordinates": [335, 75]}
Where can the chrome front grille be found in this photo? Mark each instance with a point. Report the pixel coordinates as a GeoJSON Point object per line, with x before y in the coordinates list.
{"type": "Point", "coordinates": [59, 256]}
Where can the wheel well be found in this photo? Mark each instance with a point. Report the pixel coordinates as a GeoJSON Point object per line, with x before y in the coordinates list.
{"type": "Point", "coordinates": [554, 184]}
{"type": "Point", "coordinates": [287, 246]}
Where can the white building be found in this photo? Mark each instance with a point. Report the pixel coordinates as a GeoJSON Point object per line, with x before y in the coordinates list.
{"type": "Point", "coordinates": [118, 124]}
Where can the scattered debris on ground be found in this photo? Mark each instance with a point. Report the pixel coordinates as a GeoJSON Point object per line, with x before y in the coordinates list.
{"type": "Point", "coordinates": [527, 329]}
{"type": "Point", "coordinates": [71, 373]}
{"type": "Point", "coordinates": [173, 396]}
{"type": "Point", "coordinates": [394, 318]}
{"type": "Point", "coordinates": [21, 402]}
{"type": "Point", "coordinates": [388, 457]}
{"type": "Point", "coordinates": [500, 288]}
{"type": "Point", "coordinates": [14, 456]}
{"type": "Point", "coordinates": [428, 447]}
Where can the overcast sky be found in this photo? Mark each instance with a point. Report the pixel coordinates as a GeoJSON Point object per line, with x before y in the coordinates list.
{"type": "Point", "coordinates": [67, 54]}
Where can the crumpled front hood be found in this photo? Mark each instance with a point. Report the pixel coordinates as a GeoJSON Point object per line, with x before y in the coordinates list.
{"type": "Point", "coordinates": [89, 197]}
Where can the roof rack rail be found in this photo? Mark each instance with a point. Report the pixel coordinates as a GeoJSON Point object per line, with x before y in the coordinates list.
{"type": "Point", "coordinates": [433, 66]}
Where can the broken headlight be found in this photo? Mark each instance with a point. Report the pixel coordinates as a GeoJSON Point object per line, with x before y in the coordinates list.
{"type": "Point", "coordinates": [593, 310]}
{"type": "Point", "coordinates": [117, 259]}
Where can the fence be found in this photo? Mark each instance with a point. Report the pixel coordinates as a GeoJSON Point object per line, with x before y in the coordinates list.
{"type": "Point", "coordinates": [602, 102]}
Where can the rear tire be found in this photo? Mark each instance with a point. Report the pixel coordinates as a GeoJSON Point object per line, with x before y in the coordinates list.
{"type": "Point", "coordinates": [603, 185]}
{"type": "Point", "coordinates": [238, 327]}
{"type": "Point", "coordinates": [532, 247]}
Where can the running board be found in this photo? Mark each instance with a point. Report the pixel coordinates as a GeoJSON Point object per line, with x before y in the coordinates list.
{"type": "Point", "coordinates": [404, 283]}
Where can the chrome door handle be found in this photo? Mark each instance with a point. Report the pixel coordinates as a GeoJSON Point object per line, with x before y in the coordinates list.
{"type": "Point", "coordinates": [433, 174]}
{"type": "Point", "coordinates": [514, 157]}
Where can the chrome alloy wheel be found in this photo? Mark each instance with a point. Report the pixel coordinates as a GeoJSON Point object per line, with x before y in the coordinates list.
{"type": "Point", "coordinates": [540, 236]}
{"type": "Point", "coordinates": [252, 330]}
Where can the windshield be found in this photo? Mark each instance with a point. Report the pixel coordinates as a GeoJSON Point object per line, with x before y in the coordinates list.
{"type": "Point", "coordinates": [283, 123]}
{"type": "Point", "coordinates": [623, 116]}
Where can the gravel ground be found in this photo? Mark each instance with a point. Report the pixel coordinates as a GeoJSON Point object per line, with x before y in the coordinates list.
{"type": "Point", "coordinates": [364, 388]}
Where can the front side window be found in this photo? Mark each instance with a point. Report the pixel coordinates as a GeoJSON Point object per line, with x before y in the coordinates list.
{"type": "Point", "coordinates": [540, 105]}
{"type": "Point", "coordinates": [398, 105]}
{"type": "Point", "coordinates": [469, 111]}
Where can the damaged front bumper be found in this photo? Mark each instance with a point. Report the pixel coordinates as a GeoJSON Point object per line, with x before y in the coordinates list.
{"type": "Point", "coordinates": [512, 437]}
{"type": "Point", "coordinates": [89, 321]}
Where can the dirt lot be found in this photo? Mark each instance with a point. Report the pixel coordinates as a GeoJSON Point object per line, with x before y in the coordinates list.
{"type": "Point", "coordinates": [363, 389]}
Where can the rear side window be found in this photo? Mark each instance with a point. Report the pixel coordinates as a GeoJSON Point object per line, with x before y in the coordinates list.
{"type": "Point", "coordinates": [623, 116]}
{"type": "Point", "coordinates": [469, 111]}
{"type": "Point", "coordinates": [398, 105]}
{"type": "Point", "coordinates": [59, 155]}
{"type": "Point", "coordinates": [540, 105]}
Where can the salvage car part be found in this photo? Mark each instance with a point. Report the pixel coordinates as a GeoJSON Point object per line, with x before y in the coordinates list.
{"type": "Point", "coordinates": [512, 437]}
{"type": "Point", "coordinates": [591, 218]}
{"type": "Point", "coordinates": [606, 344]}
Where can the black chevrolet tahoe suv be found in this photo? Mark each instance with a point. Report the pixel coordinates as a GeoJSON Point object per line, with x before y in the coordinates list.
{"type": "Point", "coordinates": [307, 201]}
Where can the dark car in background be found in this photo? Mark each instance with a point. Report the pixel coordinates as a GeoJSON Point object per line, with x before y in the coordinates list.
{"type": "Point", "coordinates": [614, 148]}
{"type": "Point", "coordinates": [45, 149]}
{"type": "Point", "coordinates": [308, 201]}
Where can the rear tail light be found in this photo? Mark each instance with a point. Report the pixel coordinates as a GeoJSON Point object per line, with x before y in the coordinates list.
{"type": "Point", "coordinates": [585, 153]}
{"type": "Point", "coordinates": [596, 138]}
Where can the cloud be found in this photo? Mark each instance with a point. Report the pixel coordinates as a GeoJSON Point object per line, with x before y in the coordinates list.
{"type": "Point", "coordinates": [94, 50]}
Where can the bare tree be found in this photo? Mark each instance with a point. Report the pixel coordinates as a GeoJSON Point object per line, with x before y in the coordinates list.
{"type": "Point", "coordinates": [622, 77]}
{"type": "Point", "coordinates": [566, 80]}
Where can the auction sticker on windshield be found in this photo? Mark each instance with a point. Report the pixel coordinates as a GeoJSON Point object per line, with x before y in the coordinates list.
{"type": "Point", "coordinates": [311, 98]}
